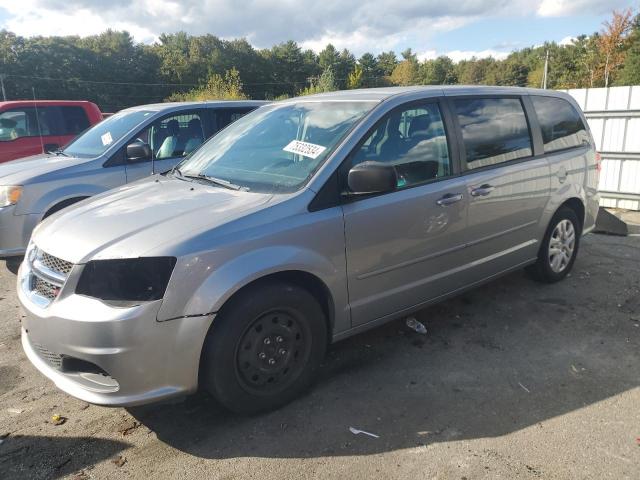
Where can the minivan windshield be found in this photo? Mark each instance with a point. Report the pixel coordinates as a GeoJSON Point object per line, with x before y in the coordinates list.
{"type": "Point", "coordinates": [95, 141]}
{"type": "Point", "coordinates": [276, 148]}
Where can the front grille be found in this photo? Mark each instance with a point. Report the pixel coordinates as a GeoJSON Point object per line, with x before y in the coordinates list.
{"type": "Point", "coordinates": [45, 289]}
{"type": "Point", "coordinates": [47, 277]}
{"type": "Point", "coordinates": [53, 359]}
{"type": "Point", "coordinates": [56, 264]}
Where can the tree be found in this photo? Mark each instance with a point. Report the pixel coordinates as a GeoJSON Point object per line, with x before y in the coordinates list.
{"type": "Point", "coordinates": [630, 73]}
{"type": "Point", "coordinates": [405, 73]}
{"type": "Point", "coordinates": [325, 83]}
{"type": "Point", "coordinates": [370, 70]}
{"type": "Point", "coordinates": [355, 77]}
{"type": "Point", "coordinates": [218, 87]}
{"type": "Point", "coordinates": [612, 42]}
{"type": "Point", "coordinates": [387, 62]}
{"type": "Point", "coordinates": [440, 71]}
{"type": "Point", "coordinates": [328, 58]}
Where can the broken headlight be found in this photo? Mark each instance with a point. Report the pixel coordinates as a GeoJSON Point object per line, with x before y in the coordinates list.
{"type": "Point", "coordinates": [126, 282]}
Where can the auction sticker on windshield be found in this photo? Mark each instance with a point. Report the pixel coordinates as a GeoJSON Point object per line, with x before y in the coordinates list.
{"type": "Point", "coordinates": [107, 139]}
{"type": "Point", "coordinates": [305, 149]}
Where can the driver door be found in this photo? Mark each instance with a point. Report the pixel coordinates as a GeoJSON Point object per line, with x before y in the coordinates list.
{"type": "Point", "coordinates": [406, 247]}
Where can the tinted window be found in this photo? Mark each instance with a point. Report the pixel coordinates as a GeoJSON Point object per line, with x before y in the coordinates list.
{"type": "Point", "coordinates": [413, 140]}
{"type": "Point", "coordinates": [494, 130]}
{"type": "Point", "coordinates": [560, 123]}
{"type": "Point", "coordinates": [75, 120]}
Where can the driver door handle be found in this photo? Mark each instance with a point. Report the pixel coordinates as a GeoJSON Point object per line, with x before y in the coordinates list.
{"type": "Point", "coordinates": [449, 199]}
{"type": "Point", "coordinates": [483, 190]}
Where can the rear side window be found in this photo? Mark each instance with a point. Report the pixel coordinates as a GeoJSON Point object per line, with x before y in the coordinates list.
{"type": "Point", "coordinates": [494, 130]}
{"type": "Point", "coordinates": [74, 119]}
{"type": "Point", "coordinates": [560, 123]}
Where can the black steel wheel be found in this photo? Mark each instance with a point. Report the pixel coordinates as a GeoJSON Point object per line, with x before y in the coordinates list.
{"type": "Point", "coordinates": [264, 348]}
{"type": "Point", "coordinates": [272, 352]}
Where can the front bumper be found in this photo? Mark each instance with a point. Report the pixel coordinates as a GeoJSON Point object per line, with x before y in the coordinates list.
{"type": "Point", "coordinates": [15, 231]}
{"type": "Point", "coordinates": [106, 355]}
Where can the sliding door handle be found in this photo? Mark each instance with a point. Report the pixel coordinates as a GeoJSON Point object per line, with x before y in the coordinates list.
{"type": "Point", "coordinates": [482, 190]}
{"type": "Point", "coordinates": [449, 199]}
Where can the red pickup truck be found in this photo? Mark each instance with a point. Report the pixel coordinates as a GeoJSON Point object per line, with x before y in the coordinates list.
{"type": "Point", "coordinates": [30, 127]}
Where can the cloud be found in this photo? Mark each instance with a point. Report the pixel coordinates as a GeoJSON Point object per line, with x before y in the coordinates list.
{"type": "Point", "coordinates": [375, 25]}
{"type": "Point", "coordinates": [567, 40]}
{"type": "Point", "coordinates": [457, 55]}
{"type": "Point", "coordinates": [557, 8]}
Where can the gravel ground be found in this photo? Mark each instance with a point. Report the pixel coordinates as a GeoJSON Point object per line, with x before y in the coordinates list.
{"type": "Point", "coordinates": [513, 380]}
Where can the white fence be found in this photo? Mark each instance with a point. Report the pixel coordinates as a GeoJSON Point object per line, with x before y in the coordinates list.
{"type": "Point", "coordinates": [614, 117]}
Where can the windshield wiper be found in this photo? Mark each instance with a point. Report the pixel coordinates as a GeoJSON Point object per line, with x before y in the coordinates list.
{"type": "Point", "coordinates": [58, 152]}
{"type": "Point", "coordinates": [217, 181]}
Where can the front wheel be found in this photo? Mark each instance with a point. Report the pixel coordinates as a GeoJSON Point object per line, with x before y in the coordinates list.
{"type": "Point", "coordinates": [265, 348]}
{"type": "Point", "coordinates": [559, 247]}
{"type": "Point", "coordinates": [13, 264]}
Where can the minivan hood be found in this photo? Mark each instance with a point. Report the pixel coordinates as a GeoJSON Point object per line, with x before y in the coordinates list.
{"type": "Point", "coordinates": [132, 220]}
{"type": "Point", "coordinates": [19, 172]}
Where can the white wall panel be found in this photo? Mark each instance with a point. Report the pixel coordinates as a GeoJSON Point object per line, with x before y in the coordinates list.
{"type": "Point", "coordinates": [618, 98]}
{"type": "Point", "coordinates": [632, 143]}
{"type": "Point", "coordinates": [630, 180]}
{"type": "Point", "coordinates": [628, 204]}
{"type": "Point", "coordinates": [617, 135]}
{"type": "Point", "coordinates": [596, 100]}
{"type": "Point", "coordinates": [613, 135]}
{"type": "Point", "coordinates": [635, 98]}
{"type": "Point", "coordinates": [610, 175]}
{"type": "Point", "coordinates": [579, 94]}
{"type": "Point", "coordinates": [596, 125]}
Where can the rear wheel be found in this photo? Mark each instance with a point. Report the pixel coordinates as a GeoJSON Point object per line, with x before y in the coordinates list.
{"type": "Point", "coordinates": [264, 348]}
{"type": "Point", "coordinates": [559, 247]}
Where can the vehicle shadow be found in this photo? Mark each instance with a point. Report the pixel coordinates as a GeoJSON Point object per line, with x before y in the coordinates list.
{"type": "Point", "coordinates": [21, 455]}
{"type": "Point", "coordinates": [498, 359]}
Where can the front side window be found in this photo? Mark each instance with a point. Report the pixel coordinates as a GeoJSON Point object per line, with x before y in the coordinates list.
{"type": "Point", "coordinates": [95, 141]}
{"type": "Point", "coordinates": [560, 123]}
{"type": "Point", "coordinates": [174, 136]}
{"type": "Point", "coordinates": [413, 140]}
{"type": "Point", "coordinates": [494, 130]}
{"type": "Point", "coordinates": [276, 148]}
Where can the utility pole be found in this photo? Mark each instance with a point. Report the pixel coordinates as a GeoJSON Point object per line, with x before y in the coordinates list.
{"type": "Point", "coordinates": [546, 70]}
{"type": "Point", "coordinates": [4, 94]}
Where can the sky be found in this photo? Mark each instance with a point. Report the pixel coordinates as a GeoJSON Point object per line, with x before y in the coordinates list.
{"type": "Point", "coordinates": [458, 28]}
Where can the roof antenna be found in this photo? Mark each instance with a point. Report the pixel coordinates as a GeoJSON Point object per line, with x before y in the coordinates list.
{"type": "Point", "coordinates": [35, 105]}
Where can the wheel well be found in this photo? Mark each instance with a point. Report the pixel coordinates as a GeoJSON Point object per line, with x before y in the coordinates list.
{"type": "Point", "coordinates": [63, 204]}
{"type": "Point", "coordinates": [577, 206]}
{"type": "Point", "coordinates": [306, 280]}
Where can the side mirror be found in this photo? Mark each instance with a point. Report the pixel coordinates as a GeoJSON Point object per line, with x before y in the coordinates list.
{"type": "Point", "coordinates": [138, 152]}
{"type": "Point", "coordinates": [372, 177]}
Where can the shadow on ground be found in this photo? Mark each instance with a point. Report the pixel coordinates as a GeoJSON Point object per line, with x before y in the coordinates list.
{"type": "Point", "coordinates": [21, 455]}
{"type": "Point", "coordinates": [501, 358]}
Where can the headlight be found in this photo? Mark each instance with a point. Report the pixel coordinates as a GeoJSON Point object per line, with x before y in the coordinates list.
{"type": "Point", "coordinates": [126, 282]}
{"type": "Point", "coordinates": [10, 195]}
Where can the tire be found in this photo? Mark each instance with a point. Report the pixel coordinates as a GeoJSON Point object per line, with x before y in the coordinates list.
{"type": "Point", "coordinates": [264, 348]}
{"type": "Point", "coordinates": [13, 264]}
{"type": "Point", "coordinates": [553, 267]}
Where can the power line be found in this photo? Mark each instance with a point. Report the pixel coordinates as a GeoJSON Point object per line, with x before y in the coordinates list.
{"type": "Point", "coordinates": [142, 84]}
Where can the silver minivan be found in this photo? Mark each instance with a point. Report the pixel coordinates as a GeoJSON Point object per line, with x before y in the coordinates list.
{"type": "Point", "coordinates": [125, 147]}
{"type": "Point", "coordinates": [304, 222]}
